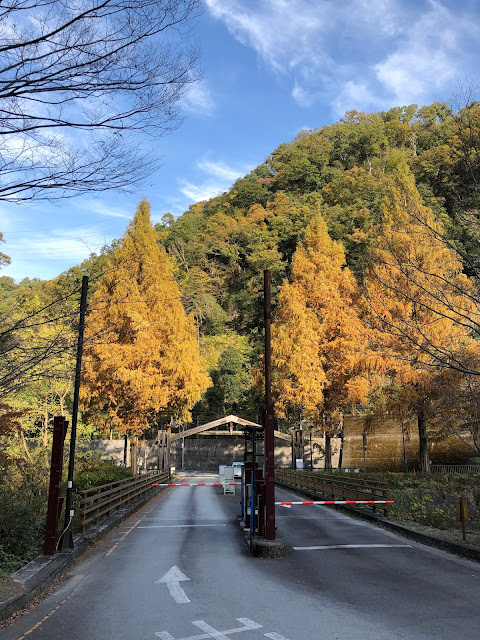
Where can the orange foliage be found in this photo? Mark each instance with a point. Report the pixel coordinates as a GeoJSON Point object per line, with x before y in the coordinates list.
{"type": "Point", "coordinates": [418, 299]}
{"type": "Point", "coordinates": [318, 340]}
{"type": "Point", "coordinates": [141, 354]}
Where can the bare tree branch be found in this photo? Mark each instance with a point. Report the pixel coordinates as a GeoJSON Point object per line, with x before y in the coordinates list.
{"type": "Point", "coordinates": [79, 81]}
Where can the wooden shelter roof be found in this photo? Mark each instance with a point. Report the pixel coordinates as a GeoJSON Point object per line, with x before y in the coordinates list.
{"type": "Point", "coordinates": [246, 424]}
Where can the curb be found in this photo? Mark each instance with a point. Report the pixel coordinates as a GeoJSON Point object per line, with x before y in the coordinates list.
{"type": "Point", "coordinates": [261, 548]}
{"type": "Point", "coordinates": [39, 574]}
{"type": "Point", "coordinates": [471, 553]}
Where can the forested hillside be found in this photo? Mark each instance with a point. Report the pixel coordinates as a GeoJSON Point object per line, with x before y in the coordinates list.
{"type": "Point", "coordinates": [345, 173]}
{"type": "Point", "coordinates": [370, 230]}
{"type": "Point", "coordinates": [388, 199]}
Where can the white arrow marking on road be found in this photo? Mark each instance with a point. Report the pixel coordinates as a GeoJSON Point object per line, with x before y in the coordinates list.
{"type": "Point", "coordinates": [286, 506]}
{"type": "Point", "coordinates": [172, 579]}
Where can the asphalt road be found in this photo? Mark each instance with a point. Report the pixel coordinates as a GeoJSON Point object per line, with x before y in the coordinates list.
{"type": "Point", "coordinates": [390, 589]}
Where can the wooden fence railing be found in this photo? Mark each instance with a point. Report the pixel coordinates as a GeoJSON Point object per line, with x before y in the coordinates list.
{"type": "Point", "coordinates": [334, 486]}
{"type": "Point", "coordinates": [99, 501]}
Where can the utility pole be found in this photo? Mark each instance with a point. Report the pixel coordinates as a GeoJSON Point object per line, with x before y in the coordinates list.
{"type": "Point", "coordinates": [269, 442]}
{"type": "Point", "coordinates": [67, 538]}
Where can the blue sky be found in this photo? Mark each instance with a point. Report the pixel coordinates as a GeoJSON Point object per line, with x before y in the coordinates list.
{"type": "Point", "coordinates": [271, 68]}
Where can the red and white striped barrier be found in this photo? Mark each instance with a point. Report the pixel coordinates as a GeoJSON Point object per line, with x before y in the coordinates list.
{"type": "Point", "coordinates": [338, 502]}
{"type": "Point", "coordinates": [196, 484]}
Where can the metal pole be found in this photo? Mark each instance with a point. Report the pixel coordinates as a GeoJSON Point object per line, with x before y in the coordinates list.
{"type": "Point", "coordinates": [253, 497]}
{"type": "Point", "coordinates": [168, 443]}
{"type": "Point", "coordinates": [269, 441]}
{"type": "Point", "coordinates": [67, 538]}
{"type": "Point", "coordinates": [311, 451]}
{"type": "Point", "coordinates": [163, 448]}
{"type": "Point", "coordinates": [183, 450]}
{"type": "Point", "coordinates": [252, 501]}
{"type": "Point", "coordinates": [364, 439]}
{"type": "Point", "coordinates": [405, 463]}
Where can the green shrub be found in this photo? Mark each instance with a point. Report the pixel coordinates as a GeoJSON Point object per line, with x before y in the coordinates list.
{"type": "Point", "coordinates": [427, 498]}
{"type": "Point", "coordinates": [23, 504]}
{"type": "Point", "coordinates": [93, 471]}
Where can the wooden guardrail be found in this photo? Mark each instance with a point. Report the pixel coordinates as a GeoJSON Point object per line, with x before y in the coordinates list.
{"type": "Point", "coordinates": [99, 501]}
{"type": "Point", "coordinates": [334, 486]}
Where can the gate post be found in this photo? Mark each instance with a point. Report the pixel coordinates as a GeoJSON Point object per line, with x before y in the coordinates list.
{"type": "Point", "coordinates": [268, 421]}
{"type": "Point", "coordinates": [268, 546]}
{"type": "Point", "coordinates": [54, 508]}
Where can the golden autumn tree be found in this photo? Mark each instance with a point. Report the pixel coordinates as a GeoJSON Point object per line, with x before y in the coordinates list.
{"type": "Point", "coordinates": [419, 302]}
{"type": "Point", "coordinates": [318, 339]}
{"type": "Point", "coordinates": [141, 352]}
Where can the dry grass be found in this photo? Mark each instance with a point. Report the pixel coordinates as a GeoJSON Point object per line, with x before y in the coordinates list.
{"type": "Point", "coordinates": [452, 535]}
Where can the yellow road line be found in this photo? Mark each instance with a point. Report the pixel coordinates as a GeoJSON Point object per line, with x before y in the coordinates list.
{"type": "Point", "coordinates": [49, 615]}
{"type": "Point", "coordinates": [122, 538]}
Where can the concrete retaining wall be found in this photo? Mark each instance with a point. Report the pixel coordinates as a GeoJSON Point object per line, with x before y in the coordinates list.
{"type": "Point", "coordinates": [385, 446]}
{"type": "Point", "coordinates": [207, 452]}
{"type": "Point", "coordinates": [385, 449]}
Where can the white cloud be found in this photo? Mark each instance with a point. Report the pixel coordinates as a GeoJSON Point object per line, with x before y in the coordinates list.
{"type": "Point", "coordinates": [280, 31]}
{"type": "Point", "coordinates": [44, 239]}
{"type": "Point", "coordinates": [204, 191]}
{"type": "Point", "coordinates": [221, 177]}
{"type": "Point", "coordinates": [44, 255]}
{"type": "Point", "coordinates": [96, 206]}
{"type": "Point", "coordinates": [199, 99]}
{"type": "Point", "coordinates": [219, 170]}
{"type": "Point", "coordinates": [429, 57]}
{"type": "Point", "coordinates": [302, 97]}
{"type": "Point", "coordinates": [354, 96]}
{"type": "Point", "coordinates": [357, 53]}
{"type": "Point", "coordinates": [11, 217]}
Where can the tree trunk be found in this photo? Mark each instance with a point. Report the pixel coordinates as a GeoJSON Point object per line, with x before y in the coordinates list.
{"type": "Point", "coordinates": [45, 438]}
{"type": "Point", "coordinates": [133, 455]}
{"type": "Point", "coordinates": [25, 447]}
{"type": "Point", "coordinates": [340, 455]}
{"type": "Point", "coordinates": [405, 461]}
{"type": "Point", "coordinates": [328, 452]}
{"type": "Point", "coordinates": [422, 436]}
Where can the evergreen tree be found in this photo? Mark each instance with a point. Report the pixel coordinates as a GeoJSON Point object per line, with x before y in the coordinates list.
{"type": "Point", "coordinates": [318, 338]}
{"type": "Point", "coordinates": [420, 303]}
{"type": "Point", "coordinates": [142, 356]}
